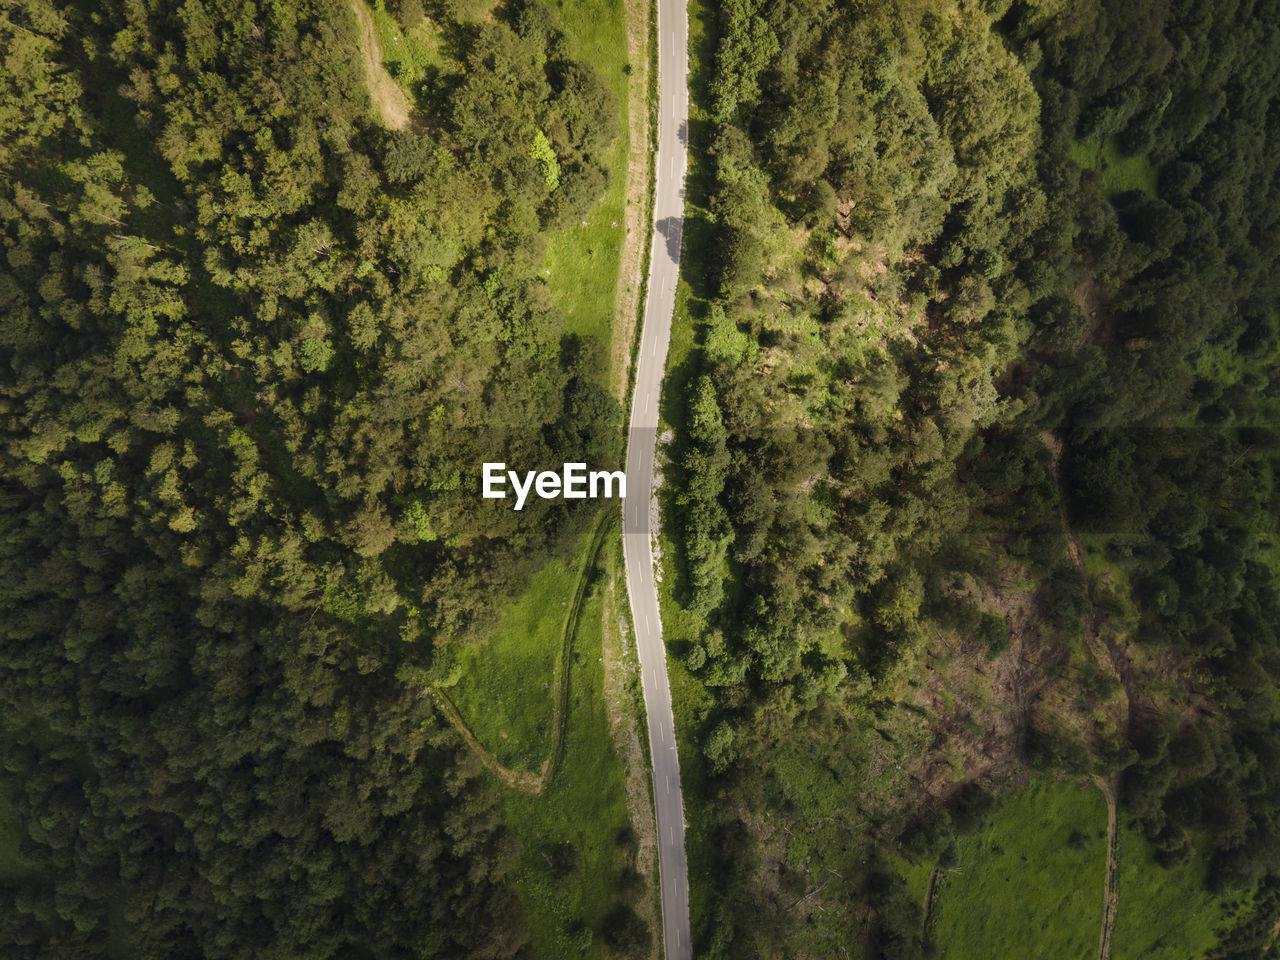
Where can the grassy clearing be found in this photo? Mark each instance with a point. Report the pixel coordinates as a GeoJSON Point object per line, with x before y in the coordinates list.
{"type": "Point", "coordinates": [582, 810]}
{"type": "Point", "coordinates": [1164, 914]}
{"type": "Point", "coordinates": [507, 687]}
{"type": "Point", "coordinates": [390, 101]}
{"type": "Point", "coordinates": [582, 262]}
{"type": "Point", "coordinates": [1119, 173]}
{"type": "Point", "coordinates": [408, 50]}
{"type": "Point", "coordinates": [1030, 884]}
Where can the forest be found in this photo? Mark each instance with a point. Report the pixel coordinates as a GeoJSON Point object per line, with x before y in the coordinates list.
{"type": "Point", "coordinates": [972, 482]}
{"type": "Point", "coordinates": [255, 345]}
{"type": "Point", "coordinates": [974, 473]}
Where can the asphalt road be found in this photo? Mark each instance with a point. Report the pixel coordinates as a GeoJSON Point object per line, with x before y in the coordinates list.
{"type": "Point", "coordinates": [655, 336]}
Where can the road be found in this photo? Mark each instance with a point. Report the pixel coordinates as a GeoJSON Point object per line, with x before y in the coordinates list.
{"type": "Point", "coordinates": [655, 336]}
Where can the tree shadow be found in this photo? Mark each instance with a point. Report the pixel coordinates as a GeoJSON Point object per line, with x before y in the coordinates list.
{"type": "Point", "coordinates": [671, 229]}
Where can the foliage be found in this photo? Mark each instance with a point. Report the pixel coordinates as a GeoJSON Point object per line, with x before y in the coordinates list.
{"type": "Point", "coordinates": [255, 348]}
{"type": "Point", "coordinates": [982, 280]}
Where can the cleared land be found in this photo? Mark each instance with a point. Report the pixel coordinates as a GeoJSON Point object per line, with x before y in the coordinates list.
{"type": "Point", "coordinates": [508, 687]}
{"type": "Point", "coordinates": [1119, 173]}
{"type": "Point", "coordinates": [575, 838]}
{"type": "Point", "coordinates": [1031, 884]}
{"type": "Point", "coordinates": [391, 101]}
{"type": "Point", "coordinates": [582, 262]}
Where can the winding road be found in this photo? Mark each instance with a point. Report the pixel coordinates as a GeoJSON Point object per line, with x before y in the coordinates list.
{"type": "Point", "coordinates": [655, 336]}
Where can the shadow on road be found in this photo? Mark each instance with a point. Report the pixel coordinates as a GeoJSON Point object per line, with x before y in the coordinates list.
{"type": "Point", "coordinates": [671, 229]}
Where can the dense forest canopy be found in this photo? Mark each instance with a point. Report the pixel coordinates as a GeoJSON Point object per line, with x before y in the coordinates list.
{"type": "Point", "coordinates": [974, 468]}
{"type": "Point", "coordinates": [987, 281]}
{"type": "Point", "coordinates": [254, 348]}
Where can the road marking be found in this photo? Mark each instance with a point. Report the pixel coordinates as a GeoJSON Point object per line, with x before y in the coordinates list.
{"type": "Point", "coordinates": [668, 783]}
{"type": "Point", "coordinates": [671, 837]}
{"type": "Point", "coordinates": [646, 616]}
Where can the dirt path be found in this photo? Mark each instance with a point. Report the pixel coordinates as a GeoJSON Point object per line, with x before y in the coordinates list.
{"type": "Point", "coordinates": [391, 102]}
{"type": "Point", "coordinates": [1108, 656]}
{"type": "Point", "coordinates": [929, 894]}
{"type": "Point", "coordinates": [526, 780]}
{"type": "Point", "coordinates": [1110, 894]}
{"type": "Point", "coordinates": [1271, 941]}
{"type": "Point", "coordinates": [636, 219]}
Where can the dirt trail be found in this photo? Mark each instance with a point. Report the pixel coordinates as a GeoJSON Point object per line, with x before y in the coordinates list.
{"type": "Point", "coordinates": [1108, 655]}
{"type": "Point", "coordinates": [636, 216]}
{"type": "Point", "coordinates": [930, 895]}
{"type": "Point", "coordinates": [1110, 894]}
{"type": "Point", "coordinates": [527, 780]}
{"type": "Point", "coordinates": [1271, 941]}
{"type": "Point", "coordinates": [1105, 652]}
{"type": "Point", "coordinates": [391, 102]}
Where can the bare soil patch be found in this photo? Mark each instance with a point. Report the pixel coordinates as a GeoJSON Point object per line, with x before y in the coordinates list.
{"type": "Point", "coordinates": [391, 102]}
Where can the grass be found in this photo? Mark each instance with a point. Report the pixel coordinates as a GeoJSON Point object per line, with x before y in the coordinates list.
{"type": "Point", "coordinates": [408, 50]}
{"type": "Point", "coordinates": [1164, 914]}
{"type": "Point", "coordinates": [582, 262]}
{"type": "Point", "coordinates": [1030, 885]}
{"type": "Point", "coordinates": [507, 686]}
{"type": "Point", "coordinates": [584, 807]}
{"type": "Point", "coordinates": [1021, 887]}
{"type": "Point", "coordinates": [1119, 173]}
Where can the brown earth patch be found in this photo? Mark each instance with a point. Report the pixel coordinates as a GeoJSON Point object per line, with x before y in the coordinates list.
{"type": "Point", "coordinates": [391, 102]}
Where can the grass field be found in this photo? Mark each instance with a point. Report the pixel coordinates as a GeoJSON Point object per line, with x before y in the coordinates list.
{"type": "Point", "coordinates": [1119, 173]}
{"type": "Point", "coordinates": [581, 264]}
{"type": "Point", "coordinates": [583, 807]}
{"type": "Point", "coordinates": [1030, 885]}
{"type": "Point", "coordinates": [506, 691]}
{"type": "Point", "coordinates": [408, 50]}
